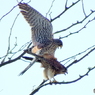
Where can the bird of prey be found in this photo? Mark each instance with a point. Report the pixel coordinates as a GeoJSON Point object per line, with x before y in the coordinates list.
{"type": "Point", "coordinates": [51, 67]}
{"type": "Point", "coordinates": [41, 30]}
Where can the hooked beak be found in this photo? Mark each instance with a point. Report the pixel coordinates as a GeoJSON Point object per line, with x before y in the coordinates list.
{"type": "Point", "coordinates": [61, 46]}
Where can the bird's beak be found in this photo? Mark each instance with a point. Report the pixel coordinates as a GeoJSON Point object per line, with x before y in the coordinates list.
{"type": "Point", "coordinates": [61, 46]}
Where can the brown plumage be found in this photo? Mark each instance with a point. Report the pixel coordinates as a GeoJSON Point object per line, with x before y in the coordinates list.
{"type": "Point", "coordinates": [52, 67]}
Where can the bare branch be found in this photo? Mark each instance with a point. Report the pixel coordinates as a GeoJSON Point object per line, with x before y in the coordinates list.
{"type": "Point", "coordinates": [66, 8]}
{"type": "Point", "coordinates": [8, 12]}
{"type": "Point", "coordinates": [20, 49]}
{"type": "Point", "coordinates": [80, 77]}
{"type": "Point", "coordinates": [78, 22]}
{"type": "Point", "coordinates": [83, 8]}
{"type": "Point", "coordinates": [66, 4]}
{"type": "Point", "coordinates": [79, 53]}
{"type": "Point", "coordinates": [10, 38]}
{"type": "Point", "coordinates": [76, 61]}
{"type": "Point", "coordinates": [79, 29]}
{"type": "Point", "coordinates": [50, 8]}
{"type": "Point", "coordinates": [13, 60]}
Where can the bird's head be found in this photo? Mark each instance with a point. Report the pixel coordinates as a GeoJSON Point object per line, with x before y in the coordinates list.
{"type": "Point", "coordinates": [58, 42]}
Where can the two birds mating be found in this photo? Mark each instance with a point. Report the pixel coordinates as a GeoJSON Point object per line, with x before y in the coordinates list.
{"type": "Point", "coordinates": [44, 44]}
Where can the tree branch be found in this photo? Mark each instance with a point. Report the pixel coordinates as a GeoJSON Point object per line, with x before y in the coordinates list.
{"type": "Point", "coordinates": [9, 38]}
{"type": "Point", "coordinates": [50, 8]}
{"type": "Point", "coordinates": [79, 53]}
{"type": "Point", "coordinates": [80, 77]}
{"type": "Point", "coordinates": [66, 4]}
{"type": "Point", "coordinates": [12, 60]}
{"type": "Point", "coordinates": [76, 61]}
{"type": "Point", "coordinates": [78, 22]}
{"type": "Point", "coordinates": [66, 8]}
{"type": "Point", "coordinates": [78, 30]}
{"type": "Point", "coordinates": [83, 8]}
{"type": "Point", "coordinates": [8, 12]}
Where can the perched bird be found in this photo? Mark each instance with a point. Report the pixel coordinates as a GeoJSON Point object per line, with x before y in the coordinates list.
{"type": "Point", "coordinates": [41, 30]}
{"type": "Point", "coordinates": [51, 67]}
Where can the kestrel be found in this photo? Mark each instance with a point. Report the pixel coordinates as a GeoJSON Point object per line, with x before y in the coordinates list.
{"type": "Point", "coordinates": [51, 67]}
{"type": "Point", "coordinates": [41, 30]}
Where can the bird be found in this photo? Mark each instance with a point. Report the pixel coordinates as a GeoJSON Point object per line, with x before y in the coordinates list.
{"type": "Point", "coordinates": [51, 67]}
{"type": "Point", "coordinates": [41, 33]}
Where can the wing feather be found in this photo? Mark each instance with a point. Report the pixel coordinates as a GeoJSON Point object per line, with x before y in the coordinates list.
{"type": "Point", "coordinates": [41, 27]}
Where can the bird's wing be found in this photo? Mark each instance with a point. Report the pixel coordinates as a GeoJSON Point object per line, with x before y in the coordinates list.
{"type": "Point", "coordinates": [41, 31]}
{"type": "Point", "coordinates": [41, 27]}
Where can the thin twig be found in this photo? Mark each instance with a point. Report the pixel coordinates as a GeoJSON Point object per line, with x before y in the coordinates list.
{"type": "Point", "coordinates": [76, 61]}
{"type": "Point", "coordinates": [83, 8]}
{"type": "Point", "coordinates": [64, 11]}
{"type": "Point", "coordinates": [80, 77]}
{"type": "Point", "coordinates": [12, 60]}
{"type": "Point", "coordinates": [8, 12]}
{"type": "Point", "coordinates": [50, 7]}
{"type": "Point", "coordinates": [78, 30]}
{"type": "Point", "coordinates": [9, 38]}
{"type": "Point", "coordinates": [78, 53]}
{"type": "Point", "coordinates": [66, 4]}
{"type": "Point", "coordinates": [78, 22]}
{"type": "Point", "coordinates": [17, 58]}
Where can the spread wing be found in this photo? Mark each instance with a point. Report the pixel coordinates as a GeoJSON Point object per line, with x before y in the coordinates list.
{"type": "Point", "coordinates": [41, 30]}
{"type": "Point", "coordinates": [40, 26]}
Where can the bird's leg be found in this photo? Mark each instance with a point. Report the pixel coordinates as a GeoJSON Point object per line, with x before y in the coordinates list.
{"type": "Point", "coordinates": [54, 80]}
{"type": "Point", "coordinates": [45, 74]}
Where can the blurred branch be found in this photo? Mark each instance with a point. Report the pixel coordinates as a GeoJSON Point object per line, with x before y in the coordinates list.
{"type": "Point", "coordinates": [76, 61]}
{"type": "Point", "coordinates": [20, 49]}
{"type": "Point", "coordinates": [25, 51]}
{"type": "Point", "coordinates": [50, 8]}
{"type": "Point", "coordinates": [78, 22]}
{"type": "Point", "coordinates": [83, 8]}
{"type": "Point", "coordinates": [66, 8]}
{"type": "Point", "coordinates": [80, 77]}
{"type": "Point", "coordinates": [8, 12]}
{"type": "Point", "coordinates": [17, 58]}
{"type": "Point", "coordinates": [66, 4]}
{"type": "Point", "coordinates": [79, 53]}
{"type": "Point", "coordinates": [9, 38]}
{"type": "Point", "coordinates": [78, 30]}
{"type": "Point", "coordinates": [13, 60]}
